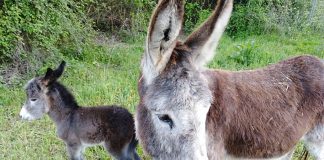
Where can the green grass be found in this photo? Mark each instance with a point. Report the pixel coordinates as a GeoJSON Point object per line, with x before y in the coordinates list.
{"type": "Point", "coordinates": [109, 76]}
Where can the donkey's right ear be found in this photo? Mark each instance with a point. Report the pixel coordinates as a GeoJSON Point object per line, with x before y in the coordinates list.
{"type": "Point", "coordinates": [52, 75]}
{"type": "Point", "coordinates": [164, 28]}
{"type": "Point", "coordinates": [58, 72]}
{"type": "Point", "coordinates": [48, 73]}
{"type": "Point", "coordinates": [48, 77]}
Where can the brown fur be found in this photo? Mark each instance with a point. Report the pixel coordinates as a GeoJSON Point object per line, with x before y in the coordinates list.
{"type": "Point", "coordinates": [264, 113]}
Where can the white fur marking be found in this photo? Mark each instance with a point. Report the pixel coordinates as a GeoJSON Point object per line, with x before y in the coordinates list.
{"type": "Point", "coordinates": [25, 115]}
{"type": "Point", "coordinates": [201, 113]}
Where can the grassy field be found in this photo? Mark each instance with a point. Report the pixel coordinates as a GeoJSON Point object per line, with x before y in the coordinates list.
{"type": "Point", "coordinates": [110, 77]}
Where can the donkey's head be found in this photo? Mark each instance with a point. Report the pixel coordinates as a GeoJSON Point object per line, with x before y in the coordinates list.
{"type": "Point", "coordinates": [172, 87]}
{"type": "Point", "coordinates": [36, 104]}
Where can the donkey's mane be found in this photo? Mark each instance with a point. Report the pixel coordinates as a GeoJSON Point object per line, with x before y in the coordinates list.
{"type": "Point", "coordinates": [67, 97]}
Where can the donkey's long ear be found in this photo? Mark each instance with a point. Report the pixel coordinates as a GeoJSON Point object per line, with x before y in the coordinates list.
{"type": "Point", "coordinates": [204, 40]}
{"type": "Point", "coordinates": [164, 28]}
{"type": "Point", "coordinates": [51, 76]}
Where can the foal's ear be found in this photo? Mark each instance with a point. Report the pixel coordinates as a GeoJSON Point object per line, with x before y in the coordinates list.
{"type": "Point", "coordinates": [204, 40]}
{"type": "Point", "coordinates": [51, 76]}
{"type": "Point", "coordinates": [164, 28]}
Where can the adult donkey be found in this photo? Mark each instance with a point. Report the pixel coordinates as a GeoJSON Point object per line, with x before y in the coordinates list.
{"type": "Point", "coordinates": [189, 112]}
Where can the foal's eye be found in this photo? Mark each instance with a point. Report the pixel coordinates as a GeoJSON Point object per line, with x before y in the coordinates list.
{"type": "Point", "coordinates": [165, 118]}
{"type": "Point", "coordinates": [33, 99]}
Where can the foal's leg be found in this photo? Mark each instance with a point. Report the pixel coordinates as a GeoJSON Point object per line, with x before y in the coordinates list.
{"type": "Point", "coordinates": [314, 141]}
{"type": "Point", "coordinates": [136, 156]}
{"type": "Point", "coordinates": [130, 150]}
{"type": "Point", "coordinates": [75, 151]}
{"type": "Point", "coordinates": [115, 152]}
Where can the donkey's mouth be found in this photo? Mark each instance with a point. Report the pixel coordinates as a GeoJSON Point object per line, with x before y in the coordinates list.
{"type": "Point", "coordinates": [28, 119]}
{"type": "Point", "coordinates": [25, 115]}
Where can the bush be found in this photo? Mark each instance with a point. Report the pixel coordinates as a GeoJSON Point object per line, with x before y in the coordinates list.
{"type": "Point", "coordinates": [117, 15]}
{"type": "Point", "coordinates": [245, 54]}
{"type": "Point", "coordinates": [255, 17]}
{"type": "Point", "coordinates": [249, 17]}
{"type": "Point", "coordinates": [195, 14]}
{"type": "Point", "coordinates": [273, 16]}
{"type": "Point", "coordinates": [40, 26]}
{"type": "Point", "coordinates": [35, 31]}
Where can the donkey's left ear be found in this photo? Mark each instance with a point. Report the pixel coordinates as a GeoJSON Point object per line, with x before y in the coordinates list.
{"type": "Point", "coordinates": [164, 28]}
{"type": "Point", "coordinates": [204, 40]}
{"type": "Point", "coordinates": [51, 76]}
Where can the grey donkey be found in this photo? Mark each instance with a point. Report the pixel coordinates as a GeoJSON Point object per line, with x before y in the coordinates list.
{"type": "Point", "coordinates": [80, 127]}
{"type": "Point", "coordinates": [188, 111]}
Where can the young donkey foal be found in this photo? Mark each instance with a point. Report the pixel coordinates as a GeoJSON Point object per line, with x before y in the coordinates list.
{"type": "Point", "coordinates": [79, 127]}
{"type": "Point", "coordinates": [189, 112]}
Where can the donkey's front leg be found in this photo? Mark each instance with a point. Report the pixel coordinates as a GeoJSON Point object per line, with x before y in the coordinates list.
{"type": "Point", "coordinates": [75, 151]}
{"type": "Point", "coordinates": [216, 149]}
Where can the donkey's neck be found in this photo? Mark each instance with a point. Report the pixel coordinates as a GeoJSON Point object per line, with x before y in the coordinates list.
{"type": "Point", "coordinates": [60, 114]}
{"type": "Point", "coordinates": [61, 104]}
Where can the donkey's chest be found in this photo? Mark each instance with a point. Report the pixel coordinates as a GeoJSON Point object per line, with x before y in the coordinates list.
{"type": "Point", "coordinates": [64, 133]}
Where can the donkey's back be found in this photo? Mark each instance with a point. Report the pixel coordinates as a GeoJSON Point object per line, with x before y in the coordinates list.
{"type": "Point", "coordinates": [264, 113]}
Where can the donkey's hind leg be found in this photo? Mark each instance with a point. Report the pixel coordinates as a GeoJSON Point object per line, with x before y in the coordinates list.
{"type": "Point", "coordinates": [75, 151]}
{"type": "Point", "coordinates": [131, 149]}
{"type": "Point", "coordinates": [314, 141]}
{"type": "Point", "coordinates": [116, 153]}
{"type": "Point", "coordinates": [136, 156]}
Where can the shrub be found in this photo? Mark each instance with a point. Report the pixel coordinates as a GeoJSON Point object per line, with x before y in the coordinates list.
{"type": "Point", "coordinates": [255, 17]}
{"type": "Point", "coordinates": [274, 16]}
{"type": "Point", "coordinates": [245, 54]}
{"type": "Point", "coordinates": [117, 15]}
{"type": "Point", "coordinates": [40, 25]}
{"type": "Point", "coordinates": [32, 31]}
{"type": "Point", "coordinates": [195, 14]}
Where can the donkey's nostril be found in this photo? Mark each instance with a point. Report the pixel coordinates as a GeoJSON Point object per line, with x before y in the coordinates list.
{"type": "Point", "coordinates": [165, 118]}
{"type": "Point", "coordinates": [20, 116]}
{"type": "Point", "coordinates": [33, 99]}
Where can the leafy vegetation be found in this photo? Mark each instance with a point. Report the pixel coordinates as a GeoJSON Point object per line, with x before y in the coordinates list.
{"type": "Point", "coordinates": [274, 16]}
{"type": "Point", "coordinates": [102, 43]}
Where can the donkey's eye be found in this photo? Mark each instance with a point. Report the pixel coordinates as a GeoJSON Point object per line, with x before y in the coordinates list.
{"type": "Point", "coordinates": [165, 118]}
{"type": "Point", "coordinates": [33, 99]}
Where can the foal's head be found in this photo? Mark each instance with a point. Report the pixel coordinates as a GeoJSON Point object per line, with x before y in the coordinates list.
{"type": "Point", "coordinates": [172, 87]}
{"type": "Point", "coordinates": [36, 104]}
